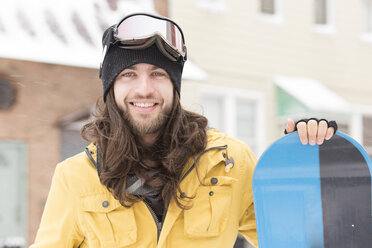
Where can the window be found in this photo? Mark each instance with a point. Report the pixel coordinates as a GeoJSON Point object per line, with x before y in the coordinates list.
{"type": "Point", "coordinates": [361, 126]}
{"type": "Point", "coordinates": [343, 127]}
{"type": "Point", "coordinates": [367, 134]}
{"type": "Point", "coordinates": [366, 17]}
{"type": "Point", "coordinates": [245, 121]}
{"type": "Point", "coordinates": [212, 106]}
{"type": "Point", "coordinates": [268, 7]}
{"type": "Point", "coordinates": [212, 5]}
{"type": "Point", "coordinates": [238, 113]}
{"type": "Point", "coordinates": [71, 143]}
{"type": "Point", "coordinates": [270, 11]}
{"type": "Point", "coordinates": [323, 16]}
{"type": "Point", "coordinates": [70, 125]}
{"type": "Point", "coordinates": [7, 94]}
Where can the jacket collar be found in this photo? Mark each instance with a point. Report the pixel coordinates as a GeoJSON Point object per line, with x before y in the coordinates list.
{"type": "Point", "coordinates": [216, 149]}
{"type": "Point", "coordinates": [94, 156]}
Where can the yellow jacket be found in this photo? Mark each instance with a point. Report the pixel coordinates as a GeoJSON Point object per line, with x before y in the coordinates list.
{"type": "Point", "coordinates": [81, 212]}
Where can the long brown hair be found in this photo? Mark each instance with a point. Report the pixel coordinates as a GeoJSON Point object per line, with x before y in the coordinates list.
{"type": "Point", "coordinates": [182, 137]}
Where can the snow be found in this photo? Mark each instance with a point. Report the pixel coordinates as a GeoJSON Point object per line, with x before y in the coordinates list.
{"type": "Point", "coordinates": [193, 72]}
{"type": "Point", "coordinates": [47, 30]}
{"type": "Point", "coordinates": [313, 94]}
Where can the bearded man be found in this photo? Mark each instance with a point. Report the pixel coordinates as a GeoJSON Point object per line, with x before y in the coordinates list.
{"type": "Point", "coordinates": [154, 175]}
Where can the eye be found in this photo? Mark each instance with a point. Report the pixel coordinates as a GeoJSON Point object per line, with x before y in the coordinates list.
{"type": "Point", "coordinates": [127, 74]}
{"type": "Point", "coordinates": [159, 74]}
{"type": "Point", "coordinates": [156, 73]}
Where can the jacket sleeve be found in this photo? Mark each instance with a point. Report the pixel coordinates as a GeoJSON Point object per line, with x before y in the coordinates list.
{"type": "Point", "coordinates": [247, 219]}
{"type": "Point", "coordinates": [58, 227]}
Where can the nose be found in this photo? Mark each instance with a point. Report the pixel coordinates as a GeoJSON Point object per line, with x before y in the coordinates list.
{"type": "Point", "coordinates": [145, 86]}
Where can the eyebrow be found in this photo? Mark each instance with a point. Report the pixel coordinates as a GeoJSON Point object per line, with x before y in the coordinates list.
{"type": "Point", "coordinates": [132, 67]}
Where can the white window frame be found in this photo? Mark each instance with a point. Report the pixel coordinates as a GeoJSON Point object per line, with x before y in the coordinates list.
{"type": "Point", "coordinates": [216, 6]}
{"type": "Point", "coordinates": [356, 130]}
{"type": "Point", "coordinates": [276, 18]}
{"type": "Point", "coordinates": [327, 28]}
{"type": "Point", "coordinates": [365, 36]}
{"type": "Point", "coordinates": [229, 96]}
{"type": "Point", "coordinates": [366, 147]}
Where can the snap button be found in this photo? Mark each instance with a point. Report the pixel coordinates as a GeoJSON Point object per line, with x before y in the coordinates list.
{"type": "Point", "coordinates": [211, 193]}
{"type": "Point", "coordinates": [91, 152]}
{"type": "Point", "coordinates": [214, 180]}
{"type": "Point", "coordinates": [105, 204]}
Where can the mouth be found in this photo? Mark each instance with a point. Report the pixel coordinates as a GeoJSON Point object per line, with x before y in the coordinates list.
{"type": "Point", "coordinates": [143, 104]}
{"type": "Point", "coordinates": [144, 107]}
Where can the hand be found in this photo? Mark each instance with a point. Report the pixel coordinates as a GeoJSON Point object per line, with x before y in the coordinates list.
{"type": "Point", "coordinates": [311, 132]}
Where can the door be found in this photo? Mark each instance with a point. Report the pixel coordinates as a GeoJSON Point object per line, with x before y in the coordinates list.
{"type": "Point", "coordinates": [13, 198]}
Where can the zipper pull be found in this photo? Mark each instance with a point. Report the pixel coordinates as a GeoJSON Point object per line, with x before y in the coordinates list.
{"type": "Point", "coordinates": [229, 162]}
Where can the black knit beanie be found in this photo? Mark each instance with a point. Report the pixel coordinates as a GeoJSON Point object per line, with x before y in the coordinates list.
{"type": "Point", "coordinates": [117, 59]}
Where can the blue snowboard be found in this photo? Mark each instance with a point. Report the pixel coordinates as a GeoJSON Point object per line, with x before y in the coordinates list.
{"type": "Point", "coordinates": [313, 196]}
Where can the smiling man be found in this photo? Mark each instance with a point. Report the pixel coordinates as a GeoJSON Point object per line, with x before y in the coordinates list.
{"type": "Point", "coordinates": [144, 93]}
{"type": "Point", "coordinates": [154, 174]}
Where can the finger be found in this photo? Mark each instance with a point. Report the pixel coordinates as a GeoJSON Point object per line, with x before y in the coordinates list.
{"type": "Point", "coordinates": [312, 129]}
{"type": "Point", "coordinates": [330, 133]}
{"type": "Point", "coordinates": [290, 126]}
{"type": "Point", "coordinates": [302, 132]}
{"type": "Point", "coordinates": [322, 131]}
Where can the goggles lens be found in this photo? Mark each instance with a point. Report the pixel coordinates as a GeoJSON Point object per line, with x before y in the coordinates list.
{"type": "Point", "coordinates": [137, 31]}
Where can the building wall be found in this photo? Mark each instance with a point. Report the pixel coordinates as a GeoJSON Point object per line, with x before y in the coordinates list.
{"type": "Point", "coordinates": [240, 49]}
{"type": "Point", "coordinates": [243, 50]}
{"type": "Point", "coordinates": [161, 7]}
{"type": "Point", "coordinates": [44, 94]}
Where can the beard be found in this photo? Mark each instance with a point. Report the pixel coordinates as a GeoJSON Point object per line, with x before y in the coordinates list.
{"type": "Point", "coordinates": [147, 127]}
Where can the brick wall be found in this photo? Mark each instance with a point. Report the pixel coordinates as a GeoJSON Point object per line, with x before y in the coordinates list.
{"type": "Point", "coordinates": [44, 94]}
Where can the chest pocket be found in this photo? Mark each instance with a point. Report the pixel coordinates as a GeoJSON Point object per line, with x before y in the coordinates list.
{"type": "Point", "coordinates": [209, 214]}
{"type": "Point", "coordinates": [107, 222]}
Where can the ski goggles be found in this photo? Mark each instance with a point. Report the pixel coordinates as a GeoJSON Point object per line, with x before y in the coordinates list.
{"type": "Point", "coordinates": [140, 30]}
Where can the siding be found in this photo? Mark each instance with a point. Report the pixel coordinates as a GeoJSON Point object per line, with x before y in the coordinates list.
{"type": "Point", "coordinates": [237, 49]}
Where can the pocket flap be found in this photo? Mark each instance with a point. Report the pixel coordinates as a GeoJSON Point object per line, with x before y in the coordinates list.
{"type": "Point", "coordinates": [219, 181]}
{"type": "Point", "coordinates": [101, 203]}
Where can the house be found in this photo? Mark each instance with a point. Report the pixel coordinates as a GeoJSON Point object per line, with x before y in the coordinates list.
{"type": "Point", "coordinates": [49, 58]}
{"type": "Point", "coordinates": [251, 65]}
{"type": "Point", "coordinates": [268, 60]}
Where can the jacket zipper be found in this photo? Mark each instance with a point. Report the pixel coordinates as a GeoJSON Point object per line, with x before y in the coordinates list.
{"type": "Point", "coordinates": [159, 224]}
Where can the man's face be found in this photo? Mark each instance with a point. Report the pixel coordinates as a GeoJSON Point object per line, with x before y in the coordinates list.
{"type": "Point", "coordinates": [144, 93]}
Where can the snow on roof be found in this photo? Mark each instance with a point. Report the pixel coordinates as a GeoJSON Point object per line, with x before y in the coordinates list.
{"type": "Point", "coordinates": [193, 72]}
{"type": "Point", "coordinates": [67, 32]}
{"type": "Point", "coordinates": [313, 94]}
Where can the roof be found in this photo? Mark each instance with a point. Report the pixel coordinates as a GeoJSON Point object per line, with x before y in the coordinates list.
{"type": "Point", "coordinates": [67, 32]}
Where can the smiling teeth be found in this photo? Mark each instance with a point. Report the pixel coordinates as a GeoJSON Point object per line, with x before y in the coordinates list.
{"type": "Point", "coordinates": [144, 105]}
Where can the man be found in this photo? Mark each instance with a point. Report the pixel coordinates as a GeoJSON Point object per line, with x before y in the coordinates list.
{"type": "Point", "coordinates": [154, 175]}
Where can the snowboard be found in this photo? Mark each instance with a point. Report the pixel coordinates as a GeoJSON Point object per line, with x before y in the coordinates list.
{"type": "Point", "coordinates": [313, 196]}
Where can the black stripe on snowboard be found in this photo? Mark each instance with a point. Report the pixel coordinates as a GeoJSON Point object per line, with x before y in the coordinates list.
{"type": "Point", "coordinates": [346, 195]}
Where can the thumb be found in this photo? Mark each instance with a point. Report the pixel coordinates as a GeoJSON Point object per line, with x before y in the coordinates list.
{"type": "Point", "coordinates": [290, 126]}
